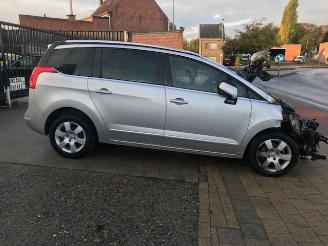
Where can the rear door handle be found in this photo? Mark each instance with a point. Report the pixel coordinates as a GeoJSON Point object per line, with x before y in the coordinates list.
{"type": "Point", "coordinates": [179, 101]}
{"type": "Point", "coordinates": [104, 91]}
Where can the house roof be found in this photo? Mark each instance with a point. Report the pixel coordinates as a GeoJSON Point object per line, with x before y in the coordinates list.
{"type": "Point", "coordinates": [109, 5]}
{"type": "Point", "coordinates": [211, 30]}
{"type": "Point", "coordinates": [106, 7]}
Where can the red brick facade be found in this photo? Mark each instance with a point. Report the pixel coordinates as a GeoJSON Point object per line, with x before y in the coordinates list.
{"type": "Point", "coordinates": [211, 48]}
{"type": "Point", "coordinates": [56, 24]}
{"type": "Point", "coordinates": [112, 15]}
{"type": "Point", "coordinates": [134, 15]}
{"type": "Point", "coordinates": [166, 39]}
{"type": "Point", "coordinates": [323, 53]}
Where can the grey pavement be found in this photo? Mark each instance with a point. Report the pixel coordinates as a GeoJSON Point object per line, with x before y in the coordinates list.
{"type": "Point", "coordinates": [23, 146]}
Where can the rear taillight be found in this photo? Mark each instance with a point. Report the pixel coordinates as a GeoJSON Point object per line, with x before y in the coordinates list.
{"type": "Point", "coordinates": [36, 72]}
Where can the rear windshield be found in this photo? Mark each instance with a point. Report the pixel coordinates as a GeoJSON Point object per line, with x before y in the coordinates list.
{"type": "Point", "coordinates": [72, 61]}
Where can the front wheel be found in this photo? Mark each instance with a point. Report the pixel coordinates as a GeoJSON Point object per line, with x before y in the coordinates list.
{"type": "Point", "coordinates": [72, 136]}
{"type": "Point", "coordinates": [273, 154]}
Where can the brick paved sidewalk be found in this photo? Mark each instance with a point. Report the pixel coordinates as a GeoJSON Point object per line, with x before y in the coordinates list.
{"type": "Point", "coordinates": [239, 207]}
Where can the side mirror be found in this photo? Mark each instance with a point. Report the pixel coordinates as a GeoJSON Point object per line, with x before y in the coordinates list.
{"type": "Point", "coordinates": [229, 91]}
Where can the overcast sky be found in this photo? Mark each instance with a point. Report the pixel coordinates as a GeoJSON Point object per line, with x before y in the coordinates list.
{"type": "Point", "coordinates": [189, 13]}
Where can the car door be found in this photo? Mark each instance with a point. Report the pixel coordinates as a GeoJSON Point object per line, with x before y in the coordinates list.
{"type": "Point", "coordinates": [197, 117]}
{"type": "Point", "coordinates": [130, 95]}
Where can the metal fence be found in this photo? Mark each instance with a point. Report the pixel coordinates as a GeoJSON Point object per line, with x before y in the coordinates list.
{"type": "Point", "coordinates": [21, 48]}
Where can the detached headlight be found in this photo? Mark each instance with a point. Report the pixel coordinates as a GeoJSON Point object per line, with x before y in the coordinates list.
{"type": "Point", "coordinates": [296, 123]}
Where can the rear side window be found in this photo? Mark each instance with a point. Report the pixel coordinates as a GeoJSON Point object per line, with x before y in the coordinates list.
{"type": "Point", "coordinates": [132, 65]}
{"type": "Point", "coordinates": [72, 61]}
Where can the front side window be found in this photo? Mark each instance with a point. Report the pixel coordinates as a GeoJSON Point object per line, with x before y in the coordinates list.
{"type": "Point", "coordinates": [193, 75]}
{"type": "Point", "coordinates": [72, 61]}
{"type": "Point", "coordinates": [132, 65]}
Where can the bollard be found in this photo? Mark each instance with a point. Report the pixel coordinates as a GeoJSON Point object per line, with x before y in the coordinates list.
{"type": "Point", "coordinates": [8, 99]}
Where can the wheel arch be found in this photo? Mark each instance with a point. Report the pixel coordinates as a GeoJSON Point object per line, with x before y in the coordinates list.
{"type": "Point", "coordinates": [268, 130]}
{"type": "Point", "coordinates": [68, 111]}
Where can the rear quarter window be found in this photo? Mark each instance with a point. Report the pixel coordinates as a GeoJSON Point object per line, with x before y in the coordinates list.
{"type": "Point", "coordinates": [72, 61]}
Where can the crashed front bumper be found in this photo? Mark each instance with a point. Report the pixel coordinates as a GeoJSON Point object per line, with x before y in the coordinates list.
{"type": "Point", "coordinates": [306, 135]}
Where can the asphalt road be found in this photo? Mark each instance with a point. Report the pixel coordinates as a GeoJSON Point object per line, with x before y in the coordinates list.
{"type": "Point", "coordinates": [306, 90]}
{"type": "Point", "coordinates": [51, 206]}
{"type": "Point", "coordinates": [309, 86]}
{"type": "Point", "coordinates": [21, 145]}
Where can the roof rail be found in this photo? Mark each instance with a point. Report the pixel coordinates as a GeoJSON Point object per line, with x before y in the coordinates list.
{"type": "Point", "coordinates": [129, 44]}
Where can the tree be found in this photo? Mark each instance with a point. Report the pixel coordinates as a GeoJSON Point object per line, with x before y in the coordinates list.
{"type": "Point", "coordinates": [191, 45]}
{"type": "Point", "coordinates": [325, 37]}
{"type": "Point", "coordinates": [255, 37]}
{"type": "Point", "coordinates": [310, 41]}
{"type": "Point", "coordinates": [289, 22]}
{"type": "Point", "coordinates": [300, 32]}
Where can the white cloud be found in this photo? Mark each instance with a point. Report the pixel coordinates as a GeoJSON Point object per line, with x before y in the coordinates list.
{"type": "Point", "coordinates": [237, 23]}
{"type": "Point", "coordinates": [191, 32]}
{"type": "Point", "coordinates": [217, 16]}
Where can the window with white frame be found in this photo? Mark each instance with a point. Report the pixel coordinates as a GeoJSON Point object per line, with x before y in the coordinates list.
{"type": "Point", "coordinates": [211, 46]}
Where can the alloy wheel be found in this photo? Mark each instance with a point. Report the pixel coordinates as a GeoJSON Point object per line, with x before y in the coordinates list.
{"type": "Point", "coordinates": [274, 155]}
{"type": "Point", "coordinates": [70, 137]}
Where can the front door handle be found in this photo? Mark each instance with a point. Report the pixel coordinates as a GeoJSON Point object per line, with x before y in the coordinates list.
{"type": "Point", "coordinates": [179, 101]}
{"type": "Point", "coordinates": [104, 91]}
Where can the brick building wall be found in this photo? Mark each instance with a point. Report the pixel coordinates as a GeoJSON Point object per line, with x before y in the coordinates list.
{"type": "Point", "coordinates": [166, 39]}
{"type": "Point", "coordinates": [292, 51]}
{"type": "Point", "coordinates": [323, 53]}
{"type": "Point", "coordinates": [55, 24]}
{"type": "Point", "coordinates": [216, 53]}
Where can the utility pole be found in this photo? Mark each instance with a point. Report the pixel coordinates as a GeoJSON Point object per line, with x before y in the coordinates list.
{"type": "Point", "coordinates": [173, 16]}
{"type": "Point", "coordinates": [221, 55]}
{"type": "Point", "coordinates": [222, 29]}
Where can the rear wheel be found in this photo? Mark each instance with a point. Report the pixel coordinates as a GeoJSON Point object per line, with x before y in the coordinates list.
{"type": "Point", "coordinates": [72, 136]}
{"type": "Point", "coordinates": [273, 154]}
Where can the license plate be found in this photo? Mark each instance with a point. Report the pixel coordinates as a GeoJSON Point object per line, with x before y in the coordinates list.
{"type": "Point", "coordinates": [17, 84]}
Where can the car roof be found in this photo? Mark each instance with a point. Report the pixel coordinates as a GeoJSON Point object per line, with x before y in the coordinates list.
{"type": "Point", "coordinates": [125, 44]}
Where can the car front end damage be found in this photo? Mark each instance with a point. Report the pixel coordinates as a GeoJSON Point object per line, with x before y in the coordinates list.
{"type": "Point", "coordinates": [304, 132]}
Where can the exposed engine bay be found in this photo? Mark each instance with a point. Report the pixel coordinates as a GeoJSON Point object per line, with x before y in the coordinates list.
{"type": "Point", "coordinates": [304, 131]}
{"type": "Point", "coordinates": [254, 69]}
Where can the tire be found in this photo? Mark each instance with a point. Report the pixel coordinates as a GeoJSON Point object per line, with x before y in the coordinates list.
{"type": "Point", "coordinates": [273, 153]}
{"type": "Point", "coordinates": [72, 136]}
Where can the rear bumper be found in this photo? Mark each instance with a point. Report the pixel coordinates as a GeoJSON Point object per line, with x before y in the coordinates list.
{"type": "Point", "coordinates": [33, 124]}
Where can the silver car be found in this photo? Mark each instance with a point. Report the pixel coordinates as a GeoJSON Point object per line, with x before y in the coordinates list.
{"type": "Point", "coordinates": [85, 92]}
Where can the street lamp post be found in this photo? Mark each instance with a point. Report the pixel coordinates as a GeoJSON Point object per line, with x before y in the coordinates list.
{"type": "Point", "coordinates": [173, 16]}
{"type": "Point", "coordinates": [222, 29]}
{"type": "Point", "coordinates": [221, 56]}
